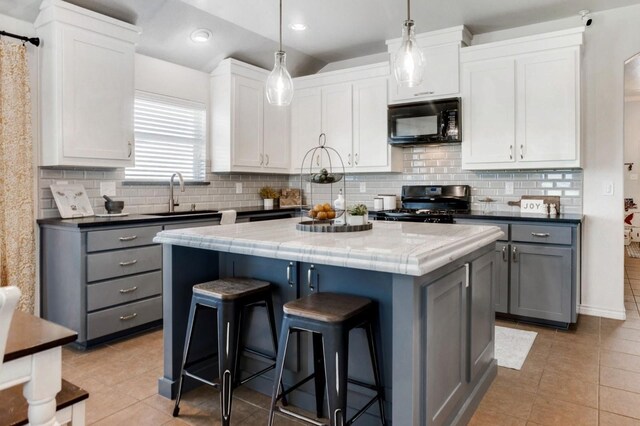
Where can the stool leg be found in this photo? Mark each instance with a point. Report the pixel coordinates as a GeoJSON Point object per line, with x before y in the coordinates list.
{"type": "Point", "coordinates": [193, 311]}
{"type": "Point", "coordinates": [227, 352]}
{"type": "Point", "coordinates": [336, 359]}
{"type": "Point", "coordinates": [274, 336]}
{"type": "Point", "coordinates": [318, 369]}
{"type": "Point", "coordinates": [277, 377]}
{"type": "Point", "coordinates": [376, 370]}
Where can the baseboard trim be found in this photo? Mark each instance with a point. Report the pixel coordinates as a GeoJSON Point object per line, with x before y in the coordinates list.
{"type": "Point", "coordinates": [599, 312]}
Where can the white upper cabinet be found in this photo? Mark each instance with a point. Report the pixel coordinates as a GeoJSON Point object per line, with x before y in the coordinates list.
{"type": "Point", "coordinates": [441, 50]}
{"type": "Point", "coordinates": [87, 87]}
{"type": "Point", "coordinates": [521, 103]}
{"type": "Point", "coordinates": [350, 108]}
{"type": "Point", "coordinates": [247, 133]}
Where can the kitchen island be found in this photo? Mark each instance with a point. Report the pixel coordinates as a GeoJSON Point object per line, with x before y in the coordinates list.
{"type": "Point", "coordinates": [432, 284]}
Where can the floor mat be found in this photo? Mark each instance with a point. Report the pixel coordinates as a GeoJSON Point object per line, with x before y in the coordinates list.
{"type": "Point", "coordinates": [512, 346]}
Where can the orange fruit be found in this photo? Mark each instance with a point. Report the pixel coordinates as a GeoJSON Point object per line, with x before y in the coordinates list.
{"type": "Point", "coordinates": [331, 214]}
{"type": "Point", "coordinates": [326, 207]}
{"type": "Point", "coordinates": [313, 213]}
{"type": "Point", "coordinates": [322, 216]}
{"type": "Point", "coordinates": [318, 207]}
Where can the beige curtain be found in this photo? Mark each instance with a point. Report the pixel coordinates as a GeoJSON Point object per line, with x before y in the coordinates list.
{"type": "Point", "coordinates": [17, 232]}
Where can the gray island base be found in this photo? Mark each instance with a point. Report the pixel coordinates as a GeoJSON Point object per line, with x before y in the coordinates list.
{"type": "Point", "coordinates": [432, 284]}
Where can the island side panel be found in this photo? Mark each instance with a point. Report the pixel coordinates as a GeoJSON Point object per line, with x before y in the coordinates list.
{"type": "Point", "coordinates": [183, 267]}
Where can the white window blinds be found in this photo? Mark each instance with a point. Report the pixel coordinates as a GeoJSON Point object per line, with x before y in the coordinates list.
{"type": "Point", "coordinates": [170, 137]}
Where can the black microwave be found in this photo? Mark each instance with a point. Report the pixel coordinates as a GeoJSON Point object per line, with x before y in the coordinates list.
{"type": "Point", "coordinates": [425, 122]}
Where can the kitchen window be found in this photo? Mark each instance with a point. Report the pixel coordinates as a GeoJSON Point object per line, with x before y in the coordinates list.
{"type": "Point", "coordinates": [170, 135]}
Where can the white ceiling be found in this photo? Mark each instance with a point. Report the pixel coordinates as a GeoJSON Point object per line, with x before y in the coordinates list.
{"type": "Point", "coordinates": [337, 29]}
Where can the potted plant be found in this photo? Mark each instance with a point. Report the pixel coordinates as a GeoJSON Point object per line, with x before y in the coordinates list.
{"type": "Point", "coordinates": [268, 194]}
{"type": "Point", "coordinates": [357, 214]}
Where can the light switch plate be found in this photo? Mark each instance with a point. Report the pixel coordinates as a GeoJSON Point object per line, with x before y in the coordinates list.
{"type": "Point", "coordinates": [508, 188]}
{"type": "Point", "coordinates": [363, 187]}
{"type": "Point", "coordinates": [608, 188]}
{"type": "Point", "coordinates": [238, 187]}
{"type": "Point", "coordinates": [108, 188]}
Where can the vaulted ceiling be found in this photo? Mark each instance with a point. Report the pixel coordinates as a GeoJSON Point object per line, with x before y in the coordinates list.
{"type": "Point", "coordinates": [337, 29]}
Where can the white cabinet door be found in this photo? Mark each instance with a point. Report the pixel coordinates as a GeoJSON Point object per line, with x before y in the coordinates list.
{"type": "Point", "coordinates": [276, 147]}
{"type": "Point", "coordinates": [97, 98]}
{"type": "Point", "coordinates": [489, 101]}
{"type": "Point", "coordinates": [370, 148]}
{"type": "Point", "coordinates": [441, 77]}
{"type": "Point", "coordinates": [547, 107]}
{"type": "Point", "coordinates": [337, 119]}
{"type": "Point", "coordinates": [247, 118]}
{"type": "Point", "coordinates": [306, 124]}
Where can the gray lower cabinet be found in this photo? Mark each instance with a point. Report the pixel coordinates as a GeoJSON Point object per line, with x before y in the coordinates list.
{"type": "Point", "coordinates": [537, 269]}
{"type": "Point", "coordinates": [459, 336]}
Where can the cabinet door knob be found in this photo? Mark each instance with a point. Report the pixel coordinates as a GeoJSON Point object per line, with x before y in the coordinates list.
{"type": "Point", "coordinates": [505, 256]}
{"type": "Point", "coordinates": [521, 151]}
{"type": "Point", "coordinates": [510, 152]}
{"type": "Point", "coordinates": [514, 254]}
{"type": "Point", "coordinates": [266, 156]}
{"type": "Point", "coordinates": [130, 149]}
{"type": "Point", "coordinates": [261, 159]}
{"type": "Point", "coordinates": [349, 159]}
{"type": "Point", "coordinates": [357, 159]}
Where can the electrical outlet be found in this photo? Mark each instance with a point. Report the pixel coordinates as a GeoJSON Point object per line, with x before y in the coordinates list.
{"type": "Point", "coordinates": [108, 188]}
{"type": "Point", "coordinates": [238, 187]}
{"type": "Point", "coordinates": [508, 188]}
{"type": "Point", "coordinates": [363, 187]}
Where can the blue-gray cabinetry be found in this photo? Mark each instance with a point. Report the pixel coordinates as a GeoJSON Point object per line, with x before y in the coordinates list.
{"type": "Point", "coordinates": [537, 274]}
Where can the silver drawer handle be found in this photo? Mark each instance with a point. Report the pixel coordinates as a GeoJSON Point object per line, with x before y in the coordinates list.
{"type": "Point", "coordinates": [128, 317]}
{"type": "Point", "coordinates": [309, 282]}
{"type": "Point", "coordinates": [540, 234]}
{"type": "Point", "coordinates": [431, 92]}
{"type": "Point", "coordinates": [128, 290]}
{"type": "Point", "coordinates": [514, 253]}
{"type": "Point", "coordinates": [505, 256]}
{"type": "Point", "coordinates": [129, 263]}
{"type": "Point", "coordinates": [289, 267]}
{"type": "Point", "coordinates": [129, 238]}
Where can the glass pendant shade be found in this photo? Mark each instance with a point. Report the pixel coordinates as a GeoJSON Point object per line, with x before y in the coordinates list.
{"type": "Point", "coordinates": [409, 62]}
{"type": "Point", "coordinates": [279, 83]}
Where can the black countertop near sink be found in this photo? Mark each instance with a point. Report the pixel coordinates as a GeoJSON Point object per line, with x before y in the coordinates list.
{"type": "Point", "coordinates": [522, 217]}
{"type": "Point", "coordinates": [131, 219]}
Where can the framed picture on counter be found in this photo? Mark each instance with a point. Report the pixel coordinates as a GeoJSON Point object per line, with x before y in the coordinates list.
{"type": "Point", "coordinates": [72, 201]}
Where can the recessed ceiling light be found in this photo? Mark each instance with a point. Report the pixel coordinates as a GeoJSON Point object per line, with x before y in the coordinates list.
{"type": "Point", "coordinates": [298, 27]}
{"type": "Point", "coordinates": [201, 35]}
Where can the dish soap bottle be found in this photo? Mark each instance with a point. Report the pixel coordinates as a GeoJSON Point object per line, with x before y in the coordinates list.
{"type": "Point", "coordinates": [338, 205]}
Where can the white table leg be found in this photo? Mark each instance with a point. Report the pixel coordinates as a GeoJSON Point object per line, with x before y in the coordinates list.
{"type": "Point", "coordinates": [45, 383]}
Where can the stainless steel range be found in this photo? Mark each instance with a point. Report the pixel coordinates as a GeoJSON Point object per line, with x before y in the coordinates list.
{"type": "Point", "coordinates": [431, 204]}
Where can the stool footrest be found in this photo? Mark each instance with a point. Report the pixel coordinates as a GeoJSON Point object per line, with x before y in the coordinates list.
{"type": "Point", "coordinates": [260, 354]}
{"type": "Point", "coordinates": [259, 373]}
{"type": "Point", "coordinates": [363, 409]}
{"type": "Point", "coordinates": [364, 385]}
{"type": "Point", "coordinates": [296, 386]}
{"type": "Point", "coordinates": [200, 379]}
{"type": "Point", "coordinates": [300, 417]}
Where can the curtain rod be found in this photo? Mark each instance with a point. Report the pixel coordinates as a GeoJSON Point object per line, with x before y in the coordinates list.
{"type": "Point", "coordinates": [33, 40]}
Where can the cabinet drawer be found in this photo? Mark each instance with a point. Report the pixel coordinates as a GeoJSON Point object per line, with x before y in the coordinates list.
{"type": "Point", "coordinates": [541, 234]}
{"type": "Point", "coordinates": [112, 264]}
{"type": "Point", "coordinates": [192, 225]}
{"type": "Point", "coordinates": [123, 317]}
{"type": "Point", "coordinates": [121, 238]}
{"type": "Point", "coordinates": [123, 290]}
{"type": "Point", "coordinates": [504, 227]}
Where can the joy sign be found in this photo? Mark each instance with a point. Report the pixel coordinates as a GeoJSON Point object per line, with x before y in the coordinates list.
{"type": "Point", "coordinates": [533, 206]}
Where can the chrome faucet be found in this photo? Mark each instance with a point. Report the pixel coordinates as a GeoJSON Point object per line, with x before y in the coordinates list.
{"type": "Point", "coordinates": [174, 202]}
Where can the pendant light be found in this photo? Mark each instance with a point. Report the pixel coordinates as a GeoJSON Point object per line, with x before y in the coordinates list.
{"type": "Point", "coordinates": [408, 65]}
{"type": "Point", "coordinates": [279, 88]}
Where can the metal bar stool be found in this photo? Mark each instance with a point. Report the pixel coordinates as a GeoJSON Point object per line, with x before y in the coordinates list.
{"type": "Point", "coordinates": [329, 317]}
{"type": "Point", "coordinates": [229, 297]}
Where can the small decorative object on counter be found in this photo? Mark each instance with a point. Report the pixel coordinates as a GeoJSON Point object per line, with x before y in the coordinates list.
{"type": "Point", "coordinates": [357, 215]}
{"type": "Point", "coordinates": [323, 165]}
{"type": "Point", "coordinates": [268, 194]}
{"type": "Point", "coordinates": [553, 211]}
{"type": "Point", "coordinates": [290, 197]}
{"type": "Point", "coordinates": [378, 203]}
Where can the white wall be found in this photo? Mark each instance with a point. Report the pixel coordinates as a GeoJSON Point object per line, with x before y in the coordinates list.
{"type": "Point", "coordinates": [632, 148]}
{"type": "Point", "coordinates": [165, 78]}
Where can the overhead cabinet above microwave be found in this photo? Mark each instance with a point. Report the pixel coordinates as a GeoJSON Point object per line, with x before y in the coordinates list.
{"type": "Point", "coordinates": [441, 50]}
{"type": "Point", "coordinates": [521, 103]}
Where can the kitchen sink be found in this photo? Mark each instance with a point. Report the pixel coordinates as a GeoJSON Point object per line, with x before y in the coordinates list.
{"type": "Point", "coordinates": [183, 213]}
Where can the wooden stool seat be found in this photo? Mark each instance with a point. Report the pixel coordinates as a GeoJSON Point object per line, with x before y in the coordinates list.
{"type": "Point", "coordinates": [230, 288]}
{"type": "Point", "coordinates": [13, 405]}
{"type": "Point", "coordinates": [327, 307]}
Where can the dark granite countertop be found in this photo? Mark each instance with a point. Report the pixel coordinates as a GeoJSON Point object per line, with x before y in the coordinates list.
{"type": "Point", "coordinates": [522, 217]}
{"type": "Point", "coordinates": [132, 219]}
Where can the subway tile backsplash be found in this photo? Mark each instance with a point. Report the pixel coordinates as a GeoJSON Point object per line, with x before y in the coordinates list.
{"type": "Point", "coordinates": [423, 165]}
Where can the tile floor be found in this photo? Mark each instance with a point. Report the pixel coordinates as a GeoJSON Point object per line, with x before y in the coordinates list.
{"type": "Point", "coordinates": [588, 375]}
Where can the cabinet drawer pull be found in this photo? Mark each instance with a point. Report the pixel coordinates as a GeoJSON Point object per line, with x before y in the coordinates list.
{"type": "Point", "coordinates": [514, 254]}
{"type": "Point", "coordinates": [510, 152]}
{"type": "Point", "coordinates": [266, 156]}
{"type": "Point", "coordinates": [130, 149]}
{"type": "Point", "coordinates": [309, 282]}
{"type": "Point", "coordinates": [129, 262]}
{"type": "Point", "coordinates": [467, 276]}
{"type": "Point", "coordinates": [430, 92]}
{"type": "Point", "coordinates": [261, 159]}
{"type": "Point", "coordinates": [128, 290]}
{"type": "Point", "coordinates": [505, 256]}
{"type": "Point", "coordinates": [289, 266]}
{"type": "Point", "coordinates": [128, 317]}
{"type": "Point", "coordinates": [521, 152]}
{"type": "Point", "coordinates": [128, 238]}
{"type": "Point", "coordinates": [540, 234]}
{"type": "Point", "coordinates": [356, 159]}
{"type": "Point", "coordinates": [349, 159]}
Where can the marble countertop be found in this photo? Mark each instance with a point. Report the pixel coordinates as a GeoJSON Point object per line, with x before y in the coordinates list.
{"type": "Point", "coordinates": [395, 247]}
